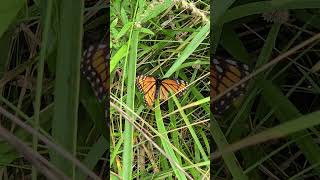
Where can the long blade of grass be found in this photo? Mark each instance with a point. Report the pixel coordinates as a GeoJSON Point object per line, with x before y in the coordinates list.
{"type": "Point", "coordinates": [8, 11]}
{"type": "Point", "coordinates": [117, 57]}
{"type": "Point", "coordinates": [266, 6]}
{"type": "Point", "coordinates": [287, 128]}
{"type": "Point", "coordinates": [64, 125]}
{"type": "Point", "coordinates": [196, 41]}
{"type": "Point", "coordinates": [217, 9]}
{"type": "Point", "coordinates": [94, 155]}
{"type": "Point", "coordinates": [192, 131]}
{"type": "Point", "coordinates": [128, 135]}
{"type": "Point", "coordinates": [285, 111]}
{"type": "Point", "coordinates": [229, 158]}
{"type": "Point", "coordinates": [232, 43]}
{"type": "Point", "coordinates": [154, 11]}
{"type": "Point", "coordinates": [168, 149]}
{"type": "Point", "coordinates": [40, 69]}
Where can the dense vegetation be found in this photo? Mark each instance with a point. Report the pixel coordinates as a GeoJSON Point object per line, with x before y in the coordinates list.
{"type": "Point", "coordinates": [280, 42]}
{"type": "Point", "coordinates": [166, 39]}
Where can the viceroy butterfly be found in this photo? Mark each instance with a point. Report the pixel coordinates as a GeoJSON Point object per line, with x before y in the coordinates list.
{"type": "Point", "coordinates": [152, 87]}
{"type": "Point", "coordinates": [224, 73]}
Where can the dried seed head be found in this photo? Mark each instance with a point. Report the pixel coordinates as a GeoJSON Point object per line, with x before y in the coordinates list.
{"type": "Point", "coordinates": [277, 16]}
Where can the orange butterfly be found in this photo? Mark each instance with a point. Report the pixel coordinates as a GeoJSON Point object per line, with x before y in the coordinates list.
{"type": "Point", "coordinates": [151, 87]}
{"type": "Point", "coordinates": [94, 66]}
{"type": "Point", "coordinates": [224, 74]}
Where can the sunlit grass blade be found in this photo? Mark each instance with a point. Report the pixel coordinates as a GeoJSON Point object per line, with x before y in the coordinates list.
{"type": "Point", "coordinates": [117, 57]}
{"type": "Point", "coordinates": [128, 136]}
{"type": "Point", "coordinates": [190, 48]}
{"type": "Point", "coordinates": [164, 140]}
{"type": "Point", "coordinates": [191, 130]}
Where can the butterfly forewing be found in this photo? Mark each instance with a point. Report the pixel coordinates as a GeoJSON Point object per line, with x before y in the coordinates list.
{"type": "Point", "coordinates": [224, 74]}
{"type": "Point", "coordinates": [94, 66]}
{"type": "Point", "coordinates": [177, 86]}
{"type": "Point", "coordinates": [148, 86]}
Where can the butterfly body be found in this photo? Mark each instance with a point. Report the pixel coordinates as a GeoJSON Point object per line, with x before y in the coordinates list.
{"type": "Point", "coordinates": [153, 87]}
{"type": "Point", "coordinates": [158, 84]}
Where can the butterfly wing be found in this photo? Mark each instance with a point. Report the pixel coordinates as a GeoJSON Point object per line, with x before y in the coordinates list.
{"type": "Point", "coordinates": [177, 86]}
{"type": "Point", "coordinates": [94, 66]}
{"type": "Point", "coordinates": [224, 74]}
{"type": "Point", "coordinates": [148, 86]}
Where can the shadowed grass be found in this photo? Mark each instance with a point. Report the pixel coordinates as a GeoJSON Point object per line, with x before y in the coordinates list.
{"type": "Point", "coordinates": [42, 53]}
{"type": "Point", "coordinates": [266, 113]}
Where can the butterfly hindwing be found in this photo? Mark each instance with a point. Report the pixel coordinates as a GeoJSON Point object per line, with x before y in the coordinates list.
{"type": "Point", "coordinates": [224, 74]}
{"type": "Point", "coordinates": [177, 86]}
{"type": "Point", "coordinates": [148, 86]}
{"type": "Point", "coordinates": [94, 66]}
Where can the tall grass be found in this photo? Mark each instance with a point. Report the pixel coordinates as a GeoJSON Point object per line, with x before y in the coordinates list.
{"type": "Point", "coordinates": [166, 40]}
{"type": "Point", "coordinates": [273, 134]}
{"type": "Point", "coordinates": [44, 104]}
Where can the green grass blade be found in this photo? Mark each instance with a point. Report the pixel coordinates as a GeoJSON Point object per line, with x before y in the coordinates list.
{"type": "Point", "coordinates": [196, 41]}
{"type": "Point", "coordinates": [94, 155]}
{"type": "Point", "coordinates": [285, 111]}
{"type": "Point", "coordinates": [128, 136]}
{"type": "Point", "coordinates": [8, 11]}
{"type": "Point", "coordinates": [231, 42]}
{"type": "Point", "coordinates": [192, 131]}
{"type": "Point", "coordinates": [40, 69]}
{"type": "Point", "coordinates": [229, 158]}
{"type": "Point", "coordinates": [121, 53]}
{"type": "Point", "coordinates": [217, 8]}
{"type": "Point", "coordinates": [64, 125]}
{"type": "Point", "coordinates": [164, 140]}
{"type": "Point", "coordinates": [267, 6]}
{"type": "Point", "coordinates": [154, 11]}
{"type": "Point", "coordinates": [290, 127]}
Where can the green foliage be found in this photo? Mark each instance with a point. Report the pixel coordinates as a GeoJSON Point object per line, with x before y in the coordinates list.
{"type": "Point", "coordinates": [41, 48]}
{"type": "Point", "coordinates": [168, 40]}
{"type": "Point", "coordinates": [276, 119]}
